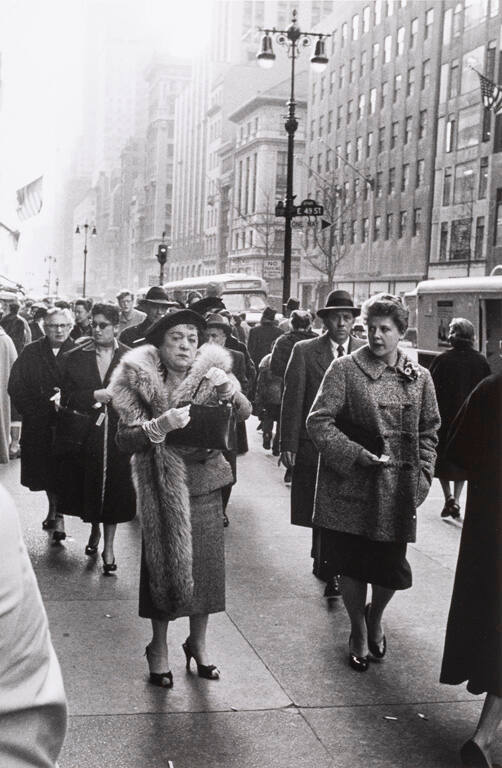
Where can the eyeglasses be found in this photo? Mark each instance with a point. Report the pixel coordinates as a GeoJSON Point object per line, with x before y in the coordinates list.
{"type": "Point", "coordinates": [101, 326]}
{"type": "Point", "coordinates": [57, 326]}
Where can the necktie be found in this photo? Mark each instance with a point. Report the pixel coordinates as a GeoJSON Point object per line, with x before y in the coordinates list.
{"type": "Point", "coordinates": [340, 351]}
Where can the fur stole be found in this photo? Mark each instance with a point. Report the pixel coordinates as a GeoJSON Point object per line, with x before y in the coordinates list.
{"type": "Point", "coordinates": [159, 473]}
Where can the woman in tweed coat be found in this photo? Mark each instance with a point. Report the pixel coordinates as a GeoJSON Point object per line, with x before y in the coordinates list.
{"type": "Point", "coordinates": [178, 489]}
{"type": "Point", "coordinates": [374, 422]}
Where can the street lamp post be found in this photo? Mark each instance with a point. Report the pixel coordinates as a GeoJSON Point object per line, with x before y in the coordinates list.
{"type": "Point", "coordinates": [85, 227]}
{"type": "Point", "coordinates": [51, 260]}
{"type": "Point", "coordinates": [293, 39]}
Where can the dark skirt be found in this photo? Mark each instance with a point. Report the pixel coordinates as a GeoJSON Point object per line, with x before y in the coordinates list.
{"type": "Point", "coordinates": [382, 563]}
{"type": "Point", "coordinates": [208, 546]}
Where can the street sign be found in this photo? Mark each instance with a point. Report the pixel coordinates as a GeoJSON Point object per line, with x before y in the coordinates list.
{"type": "Point", "coordinates": [309, 207]}
{"type": "Point", "coordinates": [272, 268]}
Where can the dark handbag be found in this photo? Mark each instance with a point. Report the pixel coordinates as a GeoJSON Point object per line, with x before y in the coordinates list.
{"type": "Point", "coordinates": [71, 432]}
{"type": "Point", "coordinates": [372, 441]}
{"type": "Point", "coordinates": [211, 426]}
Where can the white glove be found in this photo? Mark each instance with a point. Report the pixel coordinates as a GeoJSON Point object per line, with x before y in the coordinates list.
{"type": "Point", "coordinates": [174, 418]}
{"type": "Point", "coordinates": [217, 377]}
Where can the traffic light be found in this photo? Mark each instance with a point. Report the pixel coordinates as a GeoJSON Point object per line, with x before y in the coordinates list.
{"type": "Point", "coordinates": [162, 253]}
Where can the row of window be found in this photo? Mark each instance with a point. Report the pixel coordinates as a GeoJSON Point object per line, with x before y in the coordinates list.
{"type": "Point", "coordinates": [384, 227]}
{"type": "Point", "coordinates": [455, 239]}
{"type": "Point", "coordinates": [362, 23]}
{"type": "Point", "coordinates": [467, 15]}
{"type": "Point", "coordinates": [458, 76]}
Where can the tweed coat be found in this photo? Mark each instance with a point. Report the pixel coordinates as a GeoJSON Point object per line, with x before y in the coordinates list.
{"type": "Point", "coordinates": [164, 476]}
{"type": "Point", "coordinates": [379, 502]}
{"type": "Point", "coordinates": [307, 365]}
{"type": "Point", "coordinates": [96, 485]}
{"type": "Point", "coordinates": [35, 374]}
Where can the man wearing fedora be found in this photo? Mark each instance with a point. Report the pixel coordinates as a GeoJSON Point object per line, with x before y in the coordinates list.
{"type": "Point", "coordinates": [155, 305]}
{"type": "Point", "coordinates": [305, 371]}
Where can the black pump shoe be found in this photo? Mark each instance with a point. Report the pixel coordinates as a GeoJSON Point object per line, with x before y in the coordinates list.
{"type": "Point", "coordinates": [58, 533]}
{"type": "Point", "coordinates": [108, 567]}
{"type": "Point", "coordinates": [209, 671]}
{"type": "Point", "coordinates": [377, 650]}
{"type": "Point", "coordinates": [359, 663]}
{"type": "Point", "coordinates": [161, 679]}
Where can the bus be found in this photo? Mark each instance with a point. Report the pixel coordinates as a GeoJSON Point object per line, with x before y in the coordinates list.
{"type": "Point", "coordinates": [239, 292]}
{"type": "Point", "coordinates": [478, 299]}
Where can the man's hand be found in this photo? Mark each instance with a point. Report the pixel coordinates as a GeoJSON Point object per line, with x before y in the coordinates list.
{"type": "Point", "coordinates": [288, 458]}
{"type": "Point", "coordinates": [368, 459]}
{"type": "Point", "coordinates": [174, 418]}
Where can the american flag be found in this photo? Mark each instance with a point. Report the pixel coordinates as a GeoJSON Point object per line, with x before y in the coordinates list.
{"type": "Point", "coordinates": [491, 94]}
{"type": "Point", "coordinates": [29, 199]}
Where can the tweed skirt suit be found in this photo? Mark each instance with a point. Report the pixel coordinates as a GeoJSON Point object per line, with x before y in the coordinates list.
{"type": "Point", "coordinates": [372, 510]}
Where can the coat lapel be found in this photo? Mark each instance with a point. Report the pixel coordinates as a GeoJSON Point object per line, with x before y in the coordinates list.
{"type": "Point", "coordinates": [324, 353]}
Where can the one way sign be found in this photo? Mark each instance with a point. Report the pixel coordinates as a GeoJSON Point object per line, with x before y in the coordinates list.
{"type": "Point", "coordinates": [325, 224]}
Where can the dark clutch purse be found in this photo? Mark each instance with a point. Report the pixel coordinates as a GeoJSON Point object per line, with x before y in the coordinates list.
{"type": "Point", "coordinates": [210, 426]}
{"type": "Point", "coordinates": [71, 431]}
{"type": "Point", "coordinates": [372, 441]}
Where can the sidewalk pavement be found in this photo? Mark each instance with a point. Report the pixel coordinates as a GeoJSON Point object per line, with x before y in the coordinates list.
{"type": "Point", "coordinates": [286, 697]}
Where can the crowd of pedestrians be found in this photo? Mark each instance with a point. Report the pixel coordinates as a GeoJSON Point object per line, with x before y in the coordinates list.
{"type": "Point", "coordinates": [115, 401]}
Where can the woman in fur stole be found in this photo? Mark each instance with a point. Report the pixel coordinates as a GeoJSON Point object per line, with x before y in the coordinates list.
{"type": "Point", "coordinates": [178, 490]}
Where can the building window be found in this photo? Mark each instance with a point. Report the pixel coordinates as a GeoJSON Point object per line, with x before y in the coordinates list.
{"type": "Point", "coordinates": [388, 226]}
{"type": "Point", "coordinates": [352, 231]}
{"type": "Point", "coordinates": [341, 75]}
{"type": "Point", "coordinates": [419, 176]}
{"type": "Point", "coordinates": [447, 186]}
{"type": "Point", "coordinates": [344, 35]}
{"type": "Point", "coordinates": [457, 21]}
{"type": "Point", "coordinates": [405, 178]}
{"type": "Point", "coordinates": [321, 126]}
{"type": "Point", "coordinates": [392, 181]}
{"type": "Point", "coordinates": [348, 150]}
{"type": "Point", "coordinates": [369, 143]}
{"type": "Point", "coordinates": [378, 184]}
{"type": "Point", "coordinates": [319, 162]}
{"type": "Point", "coordinates": [426, 75]}
{"type": "Point", "coordinates": [329, 160]}
{"type": "Point", "coordinates": [330, 121]}
{"type": "Point", "coordinates": [366, 19]}
{"type": "Point", "coordinates": [480, 236]}
{"type": "Point", "coordinates": [429, 21]}
{"type": "Point", "coordinates": [364, 230]}
{"type": "Point", "coordinates": [355, 27]}
{"type": "Point", "coordinates": [387, 49]}
{"type": "Point", "coordinates": [313, 91]}
{"type": "Point", "coordinates": [410, 81]}
{"type": "Point", "coordinates": [454, 79]}
{"type": "Point", "coordinates": [312, 130]}
{"type": "Point", "coordinates": [468, 127]}
{"type": "Point", "coordinates": [381, 139]}
{"type": "Point", "coordinates": [339, 116]}
{"type": "Point", "coordinates": [422, 123]}
{"type": "Point", "coordinates": [490, 59]}
{"type": "Point", "coordinates": [413, 32]}
{"type": "Point", "coordinates": [402, 223]}
{"type": "Point", "coordinates": [338, 152]}
{"type": "Point", "coordinates": [384, 94]}
{"type": "Point", "coordinates": [460, 240]}
{"type": "Point", "coordinates": [417, 222]}
{"type": "Point", "coordinates": [474, 13]}
{"type": "Point", "coordinates": [497, 239]}
{"type": "Point", "coordinates": [332, 78]}
{"type": "Point", "coordinates": [333, 41]}
{"type": "Point", "coordinates": [356, 187]}
{"type": "Point", "coordinates": [350, 106]}
{"type": "Point", "coordinates": [465, 183]}
{"type": "Point", "coordinates": [360, 106]}
{"type": "Point", "coordinates": [483, 177]}
{"type": "Point", "coordinates": [362, 64]}
{"type": "Point", "coordinates": [375, 50]}
{"type": "Point", "coordinates": [372, 103]}
{"type": "Point", "coordinates": [397, 87]}
{"type": "Point", "coordinates": [377, 227]}
{"type": "Point", "coordinates": [342, 233]}
{"type": "Point", "coordinates": [390, 7]}
{"type": "Point", "coordinates": [352, 69]}
{"type": "Point", "coordinates": [378, 11]}
{"type": "Point", "coordinates": [443, 241]}
{"type": "Point", "coordinates": [400, 42]}
{"type": "Point", "coordinates": [393, 134]}
{"type": "Point", "coordinates": [407, 129]}
{"type": "Point", "coordinates": [359, 149]}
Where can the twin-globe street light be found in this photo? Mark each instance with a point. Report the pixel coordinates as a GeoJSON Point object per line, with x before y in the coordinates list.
{"type": "Point", "coordinates": [294, 40]}
{"type": "Point", "coordinates": [93, 234]}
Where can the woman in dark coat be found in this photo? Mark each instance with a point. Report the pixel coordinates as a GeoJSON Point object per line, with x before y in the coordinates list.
{"type": "Point", "coordinates": [178, 489]}
{"type": "Point", "coordinates": [473, 646]}
{"type": "Point", "coordinates": [374, 422]}
{"type": "Point", "coordinates": [455, 373]}
{"type": "Point", "coordinates": [97, 484]}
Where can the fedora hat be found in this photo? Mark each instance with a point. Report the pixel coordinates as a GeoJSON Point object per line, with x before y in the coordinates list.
{"type": "Point", "coordinates": [219, 321]}
{"type": "Point", "coordinates": [339, 300]}
{"type": "Point", "coordinates": [157, 295]}
{"type": "Point", "coordinates": [156, 332]}
{"type": "Point", "coordinates": [268, 315]}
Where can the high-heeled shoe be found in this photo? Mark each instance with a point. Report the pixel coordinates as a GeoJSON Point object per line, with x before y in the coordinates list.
{"type": "Point", "coordinates": [108, 567]}
{"type": "Point", "coordinates": [92, 549]}
{"type": "Point", "coordinates": [58, 534]}
{"type": "Point", "coordinates": [162, 679]}
{"type": "Point", "coordinates": [378, 650]}
{"type": "Point", "coordinates": [208, 671]}
{"type": "Point", "coordinates": [48, 524]}
{"type": "Point", "coordinates": [359, 663]}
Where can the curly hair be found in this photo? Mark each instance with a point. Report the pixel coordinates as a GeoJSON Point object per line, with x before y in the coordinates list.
{"type": "Point", "coordinates": [386, 305]}
{"type": "Point", "coordinates": [461, 330]}
{"type": "Point", "coordinates": [110, 311]}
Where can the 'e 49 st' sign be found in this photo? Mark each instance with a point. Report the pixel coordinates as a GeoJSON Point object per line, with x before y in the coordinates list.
{"type": "Point", "coordinates": [307, 207]}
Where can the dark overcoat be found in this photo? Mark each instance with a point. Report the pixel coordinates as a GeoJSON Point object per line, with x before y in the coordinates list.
{"type": "Point", "coordinates": [379, 502]}
{"type": "Point", "coordinates": [283, 346]}
{"type": "Point", "coordinates": [239, 346]}
{"type": "Point", "coordinates": [261, 340]}
{"type": "Point", "coordinates": [246, 377]}
{"type": "Point", "coordinates": [305, 371]}
{"type": "Point", "coordinates": [455, 373]}
{"type": "Point", "coordinates": [134, 333]}
{"type": "Point", "coordinates": [97, 485]}
{"type": "Point", "coordinates": [473, 646]}
{"type": "Point", "coordinates": [34, 376]}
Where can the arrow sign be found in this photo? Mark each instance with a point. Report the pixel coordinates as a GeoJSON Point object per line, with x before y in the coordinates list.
{"type": "Point", "coordinates": [325, 224]}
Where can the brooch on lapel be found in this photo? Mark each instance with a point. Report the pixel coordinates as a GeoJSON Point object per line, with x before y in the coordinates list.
{"type": "Point", "coordinates": [410, 371]}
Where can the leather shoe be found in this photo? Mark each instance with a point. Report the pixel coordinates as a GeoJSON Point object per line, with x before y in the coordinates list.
{"type": "Point", "coordinates": [332, 588]}
{"type": "Point", "coordinates": [358, 663]}
{"type": "Point", "coordinates": [377, 650]}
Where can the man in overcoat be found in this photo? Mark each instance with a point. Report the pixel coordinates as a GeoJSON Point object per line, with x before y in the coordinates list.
{"type": "Point", "coordinates": [33, 380]}
{"type": "Point", "coordinates": [155, 305]}
{"type": "Point", "coordinates": [262, 336]}
{"type": "Point", "coordinates": [305, 371]}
